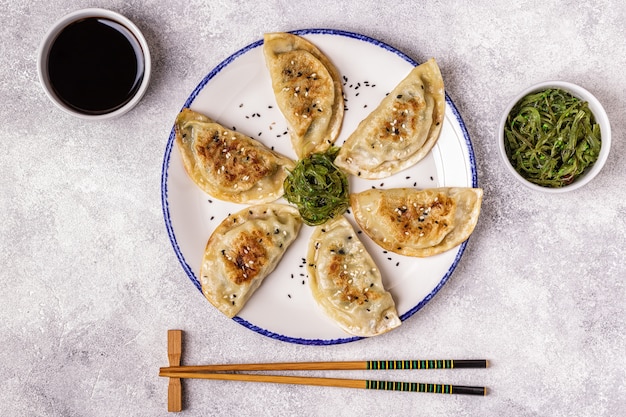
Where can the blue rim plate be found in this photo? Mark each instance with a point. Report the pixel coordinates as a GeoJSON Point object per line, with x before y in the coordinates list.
{"type": "Point", "coordinates": [237, 93]}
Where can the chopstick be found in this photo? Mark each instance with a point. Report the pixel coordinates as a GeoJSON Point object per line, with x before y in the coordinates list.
{"type": "Point", "coordinates": [214, 372]}
{"type": "Point", "coordinates": [333, 382]}
{"type": "Point", "coordinates": [332, 366]}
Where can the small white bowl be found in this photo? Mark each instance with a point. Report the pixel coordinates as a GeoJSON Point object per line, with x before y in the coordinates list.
{"type": "Point", "coordinates": [600, 117]}
{"type": "Point", "coordinates": [50, 38]}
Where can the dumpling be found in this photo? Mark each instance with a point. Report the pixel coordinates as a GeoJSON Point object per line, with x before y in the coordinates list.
{"type": "Point", "coordinates": [229, 165]}
{"type": "Point", "coordinates": [401, 130]}
{"type": "Point", "coordinates": [308, 91]}
{"type": "Point", "coordinates": [243, 250]}
{"type": "Point", "coordinates": [346, 283]}
{"type": "Point", "coordinates": [416, 222]}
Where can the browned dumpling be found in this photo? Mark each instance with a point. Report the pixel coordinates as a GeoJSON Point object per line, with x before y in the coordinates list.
{"type": "Point", "coordinates": [346, 283]}
{"type": "Point", "coordinates": [308, 91]}
{"type": "Point", "coordinates": [416, 222]}
{"type": "Point", "coordinates": [243, 250]}
{"type": "Point", "coordinates": [229, 165]}
{"type": "Point", "coordinates": [401, 130]}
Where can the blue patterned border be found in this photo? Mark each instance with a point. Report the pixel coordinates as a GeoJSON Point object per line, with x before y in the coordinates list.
{"type": "Point", "coordinates": [166, 162]}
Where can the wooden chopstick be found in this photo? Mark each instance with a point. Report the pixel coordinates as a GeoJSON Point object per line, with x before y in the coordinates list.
{"type": "Point", "coordinates": [330, 366]}
{"type": "Point", "coordinates": [333, 382]}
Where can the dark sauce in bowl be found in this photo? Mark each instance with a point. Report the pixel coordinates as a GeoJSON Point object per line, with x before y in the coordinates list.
{"type": "Point", "coordinates": [95, 65]}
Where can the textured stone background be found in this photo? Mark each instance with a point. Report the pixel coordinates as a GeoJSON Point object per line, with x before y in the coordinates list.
{"type": "Point", "coordinates": [91, 283]}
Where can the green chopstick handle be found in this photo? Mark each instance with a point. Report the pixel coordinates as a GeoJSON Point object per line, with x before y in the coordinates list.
{"type": "Point", "coordinates": [428, 364]}
{"type": "Point", "coordinates": [420, 387]}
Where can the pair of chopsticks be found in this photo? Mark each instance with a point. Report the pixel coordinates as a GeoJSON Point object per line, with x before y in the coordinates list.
{"type": "Point", "coordinates": [223, 372]}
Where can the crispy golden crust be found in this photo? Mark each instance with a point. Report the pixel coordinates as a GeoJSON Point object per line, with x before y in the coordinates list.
{"type": "Point", "coordinates": [346, 283]}
{"type": "Point", "coordinates": [308, 91]}
{"type": "Point", "coordinates": [415, 222]}
{"type": "Point", "coordinates": [243, 250]}
{"type": "Point", "coordinates": [226, 164]}
{"type": "Point", "coordinates": [401, 130]}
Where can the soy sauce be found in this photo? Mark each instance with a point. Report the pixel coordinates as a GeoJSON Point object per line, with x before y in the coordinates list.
{"type": "Point", "coordinates": [95, 65]}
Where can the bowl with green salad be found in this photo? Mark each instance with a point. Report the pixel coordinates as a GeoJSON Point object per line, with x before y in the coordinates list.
{"type": "Point", "coordinates": [554, 136]}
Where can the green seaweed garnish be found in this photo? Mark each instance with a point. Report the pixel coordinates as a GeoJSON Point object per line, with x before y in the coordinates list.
{"type": "Point", "coordinates": [551, 137]}
{"type": "Point", "coordinates": [318, 188]}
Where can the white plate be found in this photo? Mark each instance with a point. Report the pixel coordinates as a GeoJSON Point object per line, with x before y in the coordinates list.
{"type": "Point", "coordinates": [237, 93]}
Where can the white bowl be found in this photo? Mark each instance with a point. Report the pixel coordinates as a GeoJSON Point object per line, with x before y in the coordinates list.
{"type": "Point", "coordinates": [600, 117]}
{"type": "Point", "coordinates": [53, 33]}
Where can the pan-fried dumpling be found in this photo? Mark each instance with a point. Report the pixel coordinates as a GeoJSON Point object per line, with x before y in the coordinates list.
{"type": "Point", "coordinates": [416, 222]}
{"type": "Point", "coordinates": [229, 165]}
{"type": "Point", "coordinates": [346, 283]}
{"type": "Point", "coordinates": [308, 91]}
{"type": "Point", "coordinates": [243, 250]}
{"type": "Point", "coordinates": [401, 130]}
